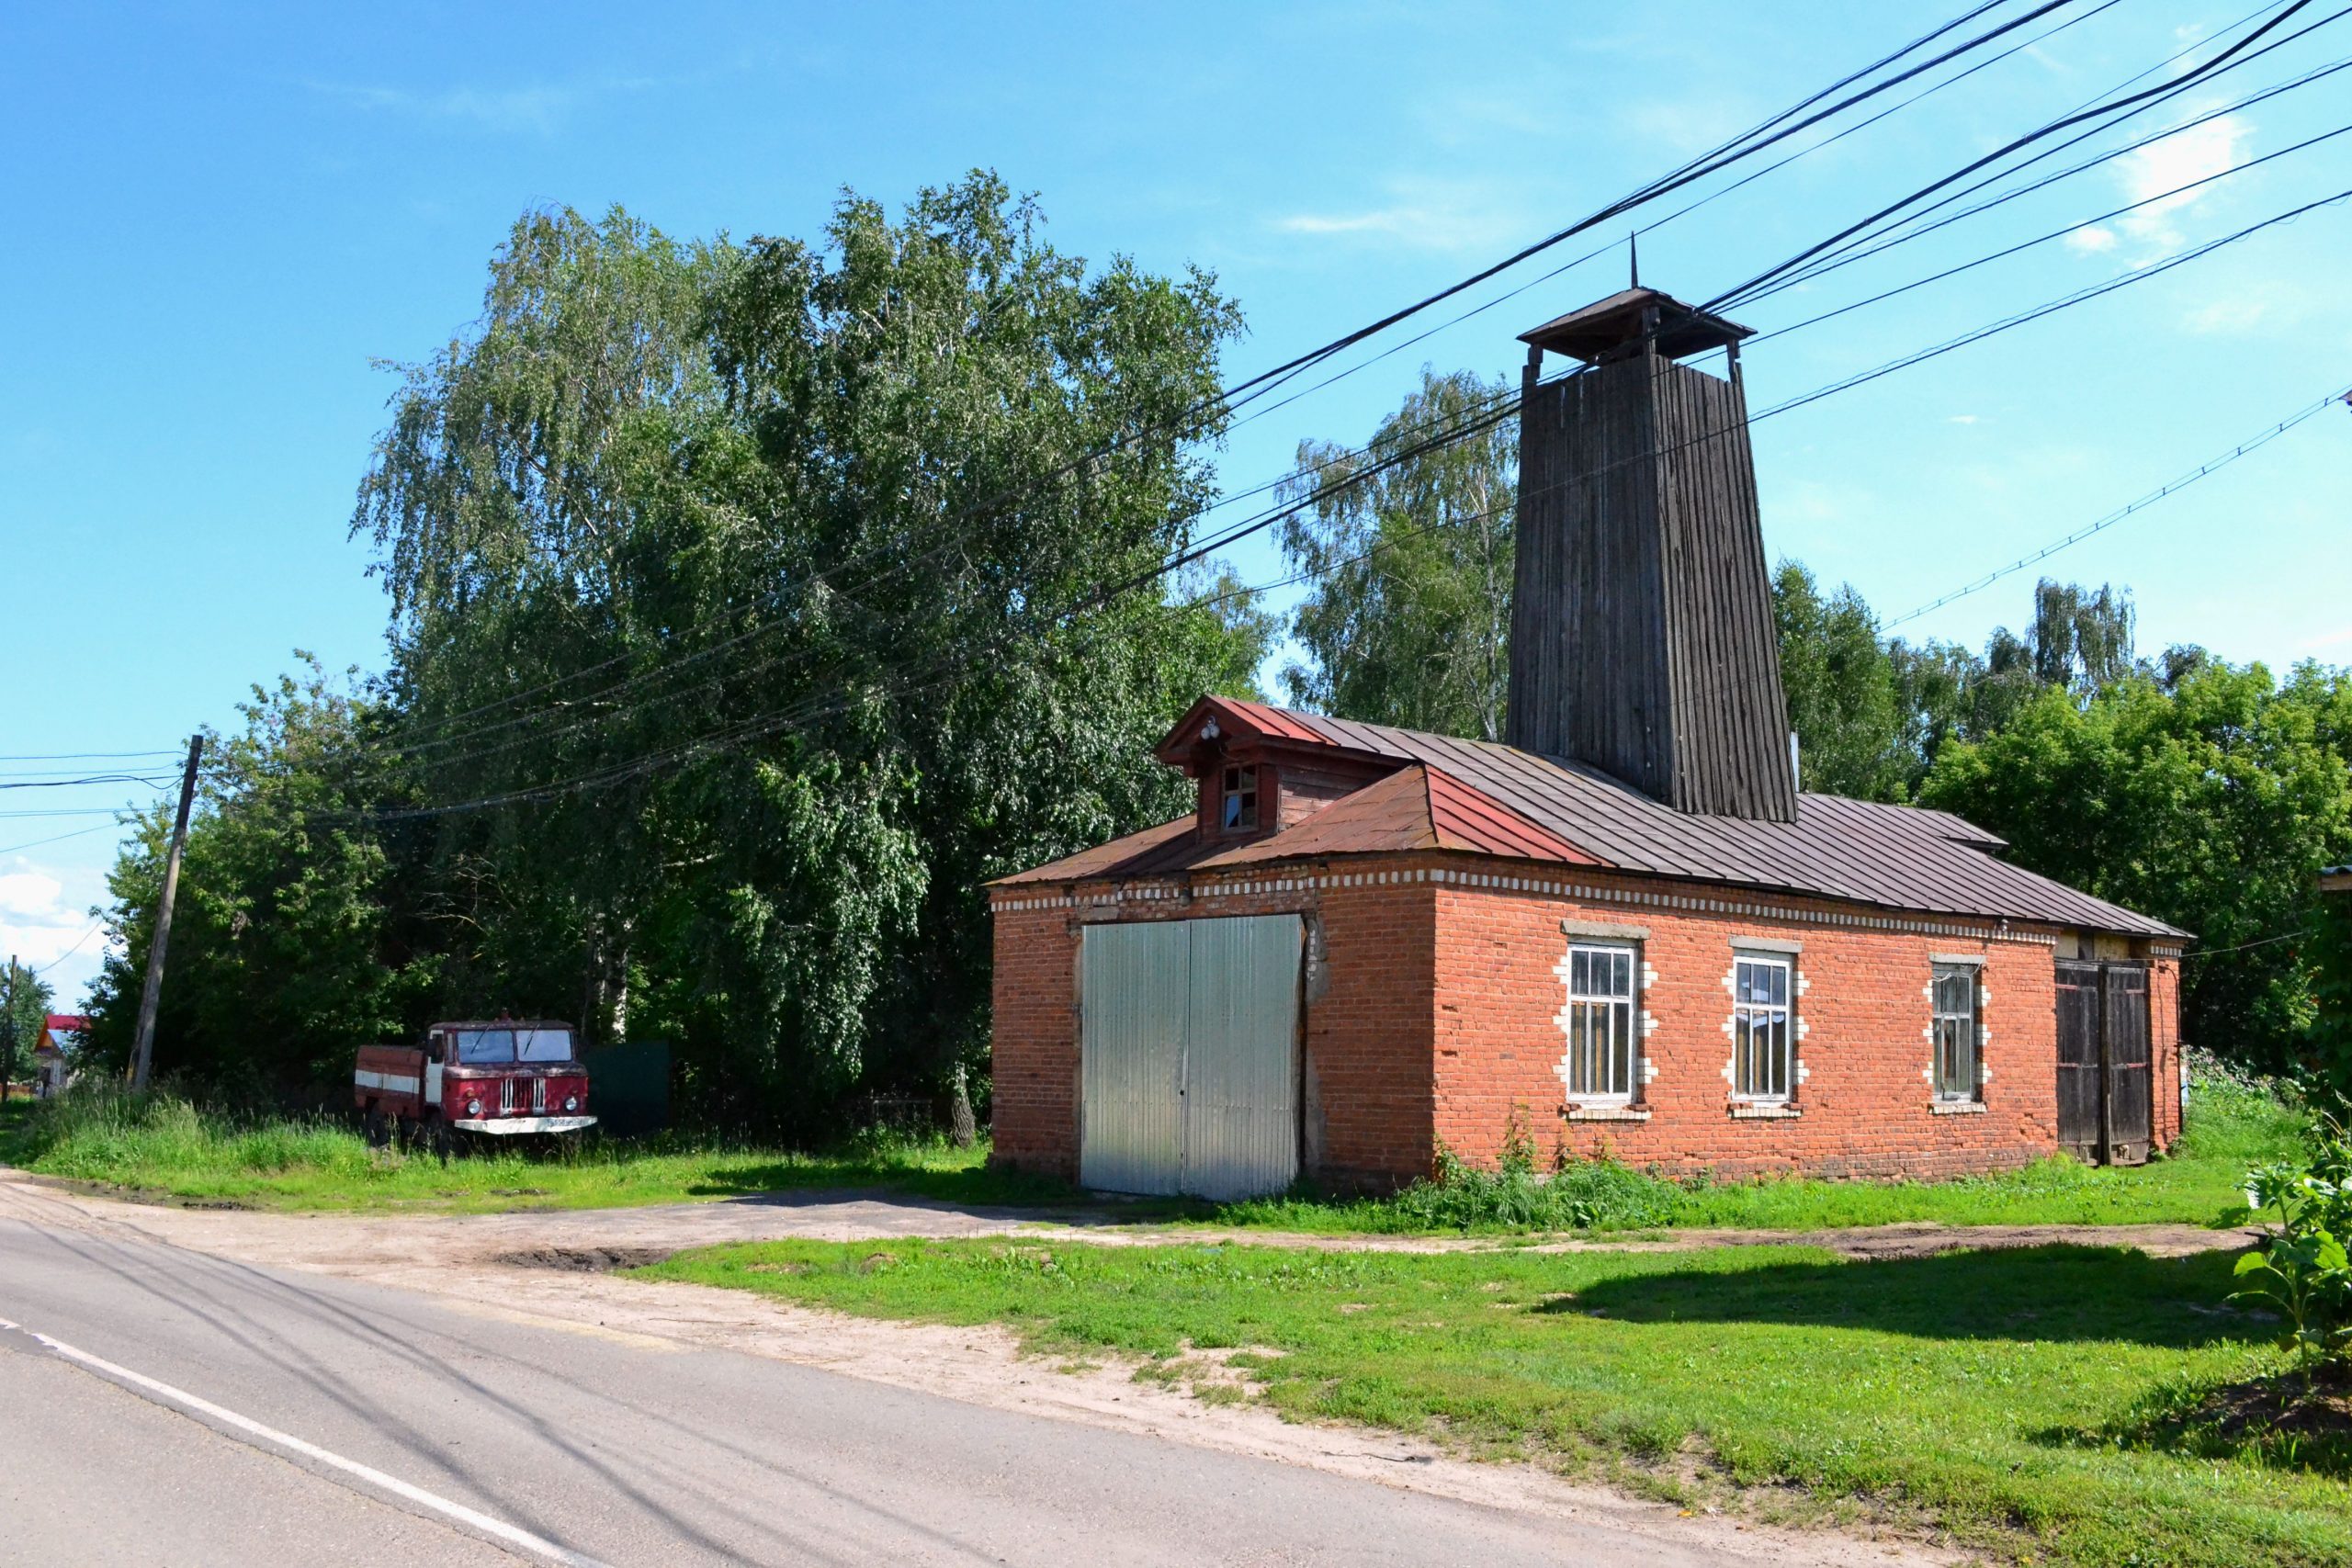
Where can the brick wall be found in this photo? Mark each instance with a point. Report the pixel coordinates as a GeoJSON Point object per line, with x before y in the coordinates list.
{"type": "Point", "coordinates": [1864, 1102]}
{"type": "Point", "coordinates": [2164, 1042]}
{"type": "Point", "coordinates": [1432, 1011]}
{"type": "Point", "coordinates": [1366, 1073]}
{"type": "Point", "coordinates": [1033, 1070]}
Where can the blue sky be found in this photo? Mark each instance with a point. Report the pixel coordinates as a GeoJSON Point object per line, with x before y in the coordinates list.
{"type": "Point", "coordinates": [222, 217]}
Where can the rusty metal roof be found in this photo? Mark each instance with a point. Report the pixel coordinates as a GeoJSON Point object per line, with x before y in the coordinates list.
{"type": "Point", "coordinates": [1899, 857]}
{"type": "Point", "coordinates": [1413, 808]}
{"type": "Point", "coordinates": [1488, 798]}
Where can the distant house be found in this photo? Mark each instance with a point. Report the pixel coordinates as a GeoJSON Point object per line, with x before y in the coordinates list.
{"type": "Point", "coordinates": [1625, 932]}
{"type": "Point", "coordinates": [52, 1052]}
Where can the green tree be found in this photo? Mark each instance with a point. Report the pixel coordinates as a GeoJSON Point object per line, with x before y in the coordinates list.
{"type": "Point", "coordinates": [747, 597]}
{"type": "Point", "coordinates": [285, 954]}
{"type": "Point", "coordinates": [1843, 691]}
{"type": "Point", "coordinates": [2211, 806]}
{"type": "Point", "coordinates": [27, 998]}
{"type": "Point", "coordinates": [1408, 617]}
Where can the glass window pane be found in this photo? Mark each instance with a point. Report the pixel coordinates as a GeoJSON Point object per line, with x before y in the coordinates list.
{"type": "Point", "coordinates": [543, 1045]}
{"type": "Point", "coordinates": [1579, 971]}
{"type": "Point", "coordinates": [485, 1045]}
{"type": "Point", "coordinates": [1623, 977]}
{"type": "Point", "coordinates": [1780, 978]}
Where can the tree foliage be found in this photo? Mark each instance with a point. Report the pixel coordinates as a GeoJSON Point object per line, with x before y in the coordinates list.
{"type": "Point", "coordinates": [1408, 615]}
{"type": "Point", "coordinates": [27, 998]}
{"type": "Point", "coordinates": [283, 949]}
{"type": "Point", "coordinates": [746, 618]}
{"type": "Point", "coordinates": [2211, 806]}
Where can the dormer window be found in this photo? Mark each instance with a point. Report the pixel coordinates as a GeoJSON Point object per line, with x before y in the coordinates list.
{"type": "Point", "coordinates": [1238, 812]}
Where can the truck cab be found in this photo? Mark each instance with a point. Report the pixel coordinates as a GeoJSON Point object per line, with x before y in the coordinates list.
{"type": "Point", "coordinates": [503, 1078]}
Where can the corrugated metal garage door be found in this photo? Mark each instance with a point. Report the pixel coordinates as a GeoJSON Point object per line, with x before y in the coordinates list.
{"type": "Point", "coordinates": [1131, 995]}
{"type": "Point", "coordinates": [1189, 1055]}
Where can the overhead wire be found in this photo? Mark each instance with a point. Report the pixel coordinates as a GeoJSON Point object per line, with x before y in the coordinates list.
{"type": "Point", "coordinates": [1906, 235]}
{"type": "Point", "coordinates": [2108, 111]}
{"type": "Point", "coordinates": [2057, 233]}
{"type": "Point", "coordinates": [2171, 487]}
{"type": "Point", "coordinates": [1723, 155]}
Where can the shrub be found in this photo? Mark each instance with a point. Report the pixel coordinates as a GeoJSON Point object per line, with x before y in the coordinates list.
{"type": "Point", "coordinates": [2303, 1271]}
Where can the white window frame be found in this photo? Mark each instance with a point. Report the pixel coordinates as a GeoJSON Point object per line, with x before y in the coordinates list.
{"type": "Point", "coordinates": [1618, 1012]}
{"type": "Point", "coordinates": [1953, 1036]}
{"type": "Point", "coordinates": [1746, 1016]}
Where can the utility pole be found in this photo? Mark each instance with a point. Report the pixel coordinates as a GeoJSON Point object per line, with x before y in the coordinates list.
{"type": "Point", "coordinates": [8, 1052]}
{"type": "Point", "coordinates": [143, 1056]}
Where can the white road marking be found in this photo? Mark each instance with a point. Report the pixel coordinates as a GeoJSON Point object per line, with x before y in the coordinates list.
{"type": "Point", "coordinates": [497, 1529]}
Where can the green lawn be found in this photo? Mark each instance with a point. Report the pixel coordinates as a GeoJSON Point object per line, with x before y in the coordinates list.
{"type": "Point", "coordinates": [2016, 1399]}
{"type": "Point", "coordinates": [2229, 1128]}
{"type": "Point", "coordinates": [166, 1147]}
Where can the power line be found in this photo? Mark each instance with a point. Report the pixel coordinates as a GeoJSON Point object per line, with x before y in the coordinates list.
{"type": "Point", "coordinates": [2109, 111]}
{"type": "Point", "coordinates": [83, 756]}
{"type": "Point", "coordinates": [73, 783]}
{"type": "Point", "coordinates": [1863, 253]}
{"type": "Point", "coordinates": [752, 728]}
{"type": "Point", "coordinates": [2078, 297]}
{"type": "Point", "coordinates": [1723, 155]}
{"type": "Point", "coordinates": [2252, 443]}
{"type": "Point", "coordinates": [76, 833]}
{"type": "Point", "coordinates": [2055, 233]}
{"type": "Point", "coordinates": [95, 926]}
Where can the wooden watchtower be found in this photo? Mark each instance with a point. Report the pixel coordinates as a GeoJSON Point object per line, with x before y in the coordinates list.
{"type": "Point", "coordinates": [1642, 636]}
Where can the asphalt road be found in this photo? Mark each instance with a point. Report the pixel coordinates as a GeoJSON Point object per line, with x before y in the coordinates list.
{"type": "Point", "coordinates": [608, 1449]}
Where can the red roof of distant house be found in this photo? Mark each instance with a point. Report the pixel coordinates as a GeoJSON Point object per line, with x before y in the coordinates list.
{"type": "Point", "coordinates": [74, 1021]}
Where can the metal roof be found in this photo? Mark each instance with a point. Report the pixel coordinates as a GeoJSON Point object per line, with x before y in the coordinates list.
{"type": "Point", "coordinates": [1899, 857]}
{"type": "Point", "coordinates": [1489, 798]}
{"type": "Point", "coordinates": [1682, 329]}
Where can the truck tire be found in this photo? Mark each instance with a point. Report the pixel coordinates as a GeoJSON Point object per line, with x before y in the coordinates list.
{"type": "Point", "coordinates": [379, 1131]}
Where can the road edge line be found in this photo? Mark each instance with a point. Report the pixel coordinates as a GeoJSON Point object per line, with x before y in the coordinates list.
{"type": "Point", "coordinates": [512, 1535]}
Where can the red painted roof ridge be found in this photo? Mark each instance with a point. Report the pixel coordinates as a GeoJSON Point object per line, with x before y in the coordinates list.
{"type": "Point", "coordinates": [1483, 823]}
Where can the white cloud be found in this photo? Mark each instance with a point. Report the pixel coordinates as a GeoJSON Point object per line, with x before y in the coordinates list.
{"type": "Point", "coordinates": [538, 107]}
{"type": "Point", "coordinates": [1431, 215]}
{"type": "Point", "coordinates": [2195, 153]}
{"type": "Point", "coordinates": [39, 923]}
{"type": "Point", "coordinates": [2091, 241]}
{"type": "Point", "coordinates": [1965, 419]}
{"type": "Point", "coordinates": [533, 109]}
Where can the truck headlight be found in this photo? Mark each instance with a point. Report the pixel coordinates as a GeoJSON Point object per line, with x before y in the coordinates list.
{"type": "Point", "coordinates": [473, 1107]}
{"type": "Point", "coordinates": [571, 1102]}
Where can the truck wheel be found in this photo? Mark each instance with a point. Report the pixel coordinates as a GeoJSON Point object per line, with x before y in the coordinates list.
{"type": "Point", "coordinates": [443, 1139]}
{"type": "Point", "coordinates": [379, 1131]}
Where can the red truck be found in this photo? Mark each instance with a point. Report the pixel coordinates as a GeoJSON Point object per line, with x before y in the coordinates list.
{"type": "Point", "coordinates": [504, 1078]}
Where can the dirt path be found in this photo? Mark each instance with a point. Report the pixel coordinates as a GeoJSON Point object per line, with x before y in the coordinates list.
{"type": "Point", "coordinates": [588, 1237]}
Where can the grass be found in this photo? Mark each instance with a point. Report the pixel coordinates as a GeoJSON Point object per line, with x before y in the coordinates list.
{"type": "Point", "coordinates": [2230, 1127]}
{"type": "Point", "coordinates": [166, 1147]}
{"type": "Point", "coordinates": [2028, 1402]}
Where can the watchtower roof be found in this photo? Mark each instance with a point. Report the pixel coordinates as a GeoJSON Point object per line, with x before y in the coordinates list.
{"type": "Point", "coordinates": [1590, 334]}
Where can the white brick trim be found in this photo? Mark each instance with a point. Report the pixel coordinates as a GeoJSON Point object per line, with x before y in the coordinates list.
{"type": "Point", "coordinates": [1177, 888]}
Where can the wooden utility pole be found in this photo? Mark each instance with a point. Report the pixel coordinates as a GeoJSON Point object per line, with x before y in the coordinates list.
{"type": "Point", "coordinates": [8, 1059]}
{"type": "Point", "coordinates": [142, 1055]}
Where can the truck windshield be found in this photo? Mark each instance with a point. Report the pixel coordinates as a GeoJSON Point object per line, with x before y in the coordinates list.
{"type": "Point", "coordinates": [487, 1045]}
{"type": "Point", "coordinates": [543, 1045]}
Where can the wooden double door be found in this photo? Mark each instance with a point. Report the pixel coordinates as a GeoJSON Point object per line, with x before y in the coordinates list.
{"type": "Point", "coordinates": [2105, 1069]}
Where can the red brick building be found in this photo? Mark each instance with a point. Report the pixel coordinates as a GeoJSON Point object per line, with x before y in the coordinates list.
{"type": "Point", "coordinates": [1627, 932]}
